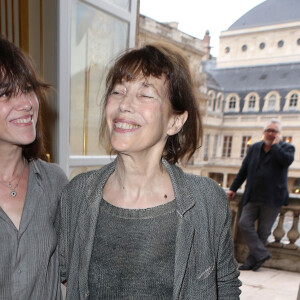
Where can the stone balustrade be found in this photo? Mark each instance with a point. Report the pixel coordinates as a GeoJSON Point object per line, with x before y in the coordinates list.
{"type": "Point", "coordinates": [284, 244]}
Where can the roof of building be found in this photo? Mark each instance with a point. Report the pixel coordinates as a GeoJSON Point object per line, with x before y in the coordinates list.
{"type": "Point", "coordinates": [255, 78]}
{"type": "Point", "coordinates": [269, 12]}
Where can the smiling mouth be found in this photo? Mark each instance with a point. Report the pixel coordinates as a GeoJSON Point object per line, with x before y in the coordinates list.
{"type": "Point", "coordinates": [23, 121]}
{"type": "Point", "coordinates": [121, 125]}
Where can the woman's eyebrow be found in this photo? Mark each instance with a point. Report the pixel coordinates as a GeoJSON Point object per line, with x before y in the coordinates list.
{"type": "Point", "coordinates": [3, 86]}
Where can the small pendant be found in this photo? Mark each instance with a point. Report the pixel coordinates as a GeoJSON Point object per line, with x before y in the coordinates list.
{"type": "Point", "coordinates": [13, 193]}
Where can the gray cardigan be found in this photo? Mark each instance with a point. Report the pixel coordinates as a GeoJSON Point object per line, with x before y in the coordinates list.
{"type": "Point", "coordinates": [204, 264]}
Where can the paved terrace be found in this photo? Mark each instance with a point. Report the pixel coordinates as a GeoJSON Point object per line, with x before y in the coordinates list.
{"type": "Point", "coordinates": [270, 284]}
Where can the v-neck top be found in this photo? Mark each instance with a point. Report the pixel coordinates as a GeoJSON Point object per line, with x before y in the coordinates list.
{"type": "Point", "coordinates": [28, 256]}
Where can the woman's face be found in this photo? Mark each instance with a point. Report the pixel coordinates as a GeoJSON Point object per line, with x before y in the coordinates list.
{"type": "Point", "coordinates": [18, 117]}
{"type": "Point", "coordinates": [139, 115]}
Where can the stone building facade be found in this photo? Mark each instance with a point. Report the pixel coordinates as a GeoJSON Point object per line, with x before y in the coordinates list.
{"type": "Point", "coordinates": [256, 77]}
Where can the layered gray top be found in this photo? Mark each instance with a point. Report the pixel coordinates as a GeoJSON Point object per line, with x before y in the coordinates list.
{"type": "Point", "coordinates": [133, 253]}
{"type": "Point", "coordinates": [28, 256]}
{"type": "Point", "coordinates": [204, 264]}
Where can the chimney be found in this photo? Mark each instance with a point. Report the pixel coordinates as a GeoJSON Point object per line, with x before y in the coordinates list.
{"type": "Point", "coordinates": [206, 43]}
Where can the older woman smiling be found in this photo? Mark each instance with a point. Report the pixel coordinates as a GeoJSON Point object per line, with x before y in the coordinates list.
{"type": "Point", "coordinates": [140, 228]}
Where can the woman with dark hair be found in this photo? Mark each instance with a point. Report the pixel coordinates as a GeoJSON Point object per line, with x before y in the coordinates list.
{"type": "Point", "coordinates": [141, 228]}
{"type": "Point", "coordinates": [29, 187]}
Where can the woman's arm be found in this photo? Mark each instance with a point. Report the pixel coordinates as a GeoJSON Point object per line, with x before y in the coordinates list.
{"type": "Point", "coordinates": [227, 273]}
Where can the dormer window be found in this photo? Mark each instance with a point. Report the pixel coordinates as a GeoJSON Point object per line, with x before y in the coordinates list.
{"type": "Point", "coordinates": [272, 101]}
{"type": "Point", "coordinates": [251, 103]}
{"type": "Point", "coordinates": [232, 103]}
{"type": "Point", "coordinates": [293, 101]}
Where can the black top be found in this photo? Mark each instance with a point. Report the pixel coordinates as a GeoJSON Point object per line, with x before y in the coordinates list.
{"type": "Point", "coordinates": [133, 253]}
{"type": "Point", "coordinates": [259, 188]}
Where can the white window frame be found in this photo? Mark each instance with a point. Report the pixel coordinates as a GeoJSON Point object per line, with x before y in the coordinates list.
{"type": "Point", "coordinates": [267, 99]}
{"type": "Point", "coordinates": [65, 159]}
{"type": "Point", "coordinates": [227, 146]}
{"type": "Point", "coordinates": [287, 106]}
{"type": "Point", "coordinates": [219, 100]}
{"type": "Point", "coordinates": [237, 103]}
{"type": "Point", "coordinates": [249, 98]}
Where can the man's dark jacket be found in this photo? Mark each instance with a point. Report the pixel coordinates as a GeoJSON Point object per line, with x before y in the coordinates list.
{"type": "Point", "coordinates": [276, 183]}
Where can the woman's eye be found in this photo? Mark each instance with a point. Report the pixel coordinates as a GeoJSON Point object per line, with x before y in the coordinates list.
{"type": "Point", "coordinates": [4, 95]}
{"type": "Point", "coordinates": [147, 96]}
{"type": "Point", "coordinates": [29, 89]}
{"type": "Point", "coordinates": [118, 92]}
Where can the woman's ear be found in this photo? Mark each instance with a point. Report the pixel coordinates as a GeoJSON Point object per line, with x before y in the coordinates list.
{"type": "Point", "coordinates": [177, 121]}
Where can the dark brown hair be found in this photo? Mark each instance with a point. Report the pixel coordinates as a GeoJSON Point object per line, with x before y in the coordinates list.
{"type": "Point", "coordinates": [157, 60]}
{"type": "Point", "coordinates": [17, 74]}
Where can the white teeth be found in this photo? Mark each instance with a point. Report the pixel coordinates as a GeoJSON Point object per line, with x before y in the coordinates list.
{"type": "Point", "coordinates": [126, 126]}
{"type": "Point", "coordinates": [22, 121]}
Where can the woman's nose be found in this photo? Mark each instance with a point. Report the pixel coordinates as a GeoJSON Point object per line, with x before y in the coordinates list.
{"type": "Point", "coordinates": [23, 102]}
{"type": "Point", "coordinates": [125, 104]}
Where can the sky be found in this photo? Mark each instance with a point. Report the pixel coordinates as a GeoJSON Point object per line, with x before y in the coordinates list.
{"type": "Point", "coordinates": [197, 16]}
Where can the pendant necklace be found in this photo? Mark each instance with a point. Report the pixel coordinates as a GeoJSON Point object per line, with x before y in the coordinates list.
{"type": "Point", "coordinates": [12, 188]}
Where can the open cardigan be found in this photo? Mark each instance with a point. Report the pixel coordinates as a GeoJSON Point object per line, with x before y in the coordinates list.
{"type": "Point", "coordinates": [204, 264]}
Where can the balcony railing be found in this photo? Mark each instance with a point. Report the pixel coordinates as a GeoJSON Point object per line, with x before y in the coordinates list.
{"type": "Point", "coordinates": [284, 243]}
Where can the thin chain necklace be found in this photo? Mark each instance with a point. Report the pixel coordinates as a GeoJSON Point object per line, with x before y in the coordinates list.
{"type": "Point", "coordinates": [12, 188]}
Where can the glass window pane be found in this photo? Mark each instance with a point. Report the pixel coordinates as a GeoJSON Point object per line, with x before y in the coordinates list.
{"type": "Point", "coordinates": [121, 3]}
{"type": "Point", "coordinates": [96, 39]}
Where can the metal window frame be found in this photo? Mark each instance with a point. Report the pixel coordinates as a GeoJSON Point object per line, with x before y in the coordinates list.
{"type": "Point", "coordinates": [65, 159]}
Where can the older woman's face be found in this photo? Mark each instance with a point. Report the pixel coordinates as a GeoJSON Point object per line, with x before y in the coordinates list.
{"type": "Point", "coordinates": [139, 115]}
{"type": "Point", "coordinates": [18, 117]}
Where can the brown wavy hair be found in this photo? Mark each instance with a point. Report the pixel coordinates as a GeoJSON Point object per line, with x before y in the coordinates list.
{"type": "Point", "coordinates": [156, 60]}
{"type": "Point", "coordinates": [17, 73]}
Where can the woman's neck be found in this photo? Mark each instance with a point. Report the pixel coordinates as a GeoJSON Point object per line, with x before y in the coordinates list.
{"type": "Point", "coordinates": [138, 184]}
{"type": "Point", "coordinates": [11, 163]}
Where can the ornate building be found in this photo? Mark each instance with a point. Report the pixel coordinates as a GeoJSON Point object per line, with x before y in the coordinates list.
{"type": "Point", "coordinates": [256, 77]}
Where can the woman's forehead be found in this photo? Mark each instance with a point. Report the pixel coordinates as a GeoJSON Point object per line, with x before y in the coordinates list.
{"type": "Point", "coordinates": [146, 80]}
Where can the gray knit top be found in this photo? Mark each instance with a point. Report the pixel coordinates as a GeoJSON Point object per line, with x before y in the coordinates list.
{"type": "Point", "coordinates": [133, 253]}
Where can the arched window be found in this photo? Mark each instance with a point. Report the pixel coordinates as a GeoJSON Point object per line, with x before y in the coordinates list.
{"type": "Point", "coordinates": [211, 99]}
{"type": "Point", "coordinates": [251, 103]}
{"type": "Point", "coordinates": [219, 102]}
{"type": "Point", "coordinates": [293, 101]}
{"type": "Point", "coordinates": [232, 103]}
{"type": "Point", "coordinates": [272, 102]}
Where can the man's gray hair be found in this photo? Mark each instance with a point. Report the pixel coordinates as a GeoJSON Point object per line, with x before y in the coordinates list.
{"type": "Point", "coordinates": [274, 121]}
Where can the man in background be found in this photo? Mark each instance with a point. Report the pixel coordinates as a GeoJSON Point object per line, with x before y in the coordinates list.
{"type": "Point", "coordinates": [265, 167]}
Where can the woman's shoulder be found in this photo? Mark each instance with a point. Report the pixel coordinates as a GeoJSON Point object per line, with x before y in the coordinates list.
{"type": "Point", "coordinates": [205, 184]}
{"type": "Point", "coordinates": [196, 184]}
{"type": "Point", "coordinates": [204, 190]}
{"type": "Point", "coordinates": [51, 169]}
{"type": "Point", "coordinates": [87, 180]}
